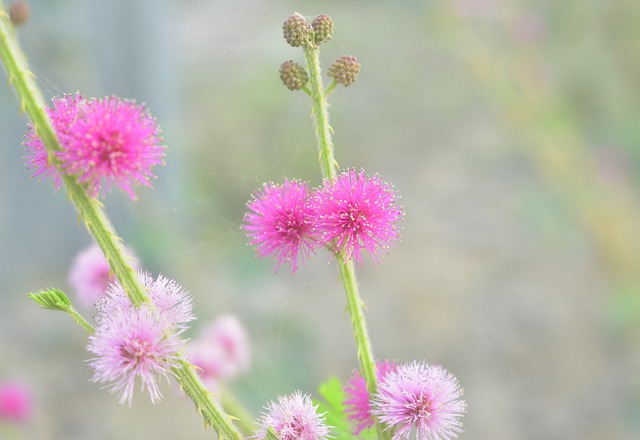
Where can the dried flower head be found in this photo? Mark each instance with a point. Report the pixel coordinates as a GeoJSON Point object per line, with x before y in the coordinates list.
{"type": "Point", "coordinates": [296, 30]}
{"type": "Point", "coordinates": [278, 222]}
{"type": "Point", "coordinates": [422, 399]}
{"type": "Point", "coordinates": [293, 418]}
{"type": "Point", "coordinates": [357, 401]}
{"type": "Point", "coordinates": [293, 75]}
{"type": "Point", "coordinates": [355, 212]}
{"type": "Point", "coordinates": [322, 28]}
{"type": "Point", "coordinates": [345, 70]}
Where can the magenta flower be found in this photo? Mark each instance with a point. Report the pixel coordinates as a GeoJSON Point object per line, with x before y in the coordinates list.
{"type": "Point", "coordinates": [15, 403]}
{"type": "Point", "coordinates": [221, 351]}
{"type": "Point", "coordinates": [167, 296]}
{"type": "Point", "coordinates": [63, 115]}
{"type": "Point", "coordinates": [420, 398]}
{"type": "Point", "coordinates": [293, 418]}
{"type": "Point", "coordinates": [278, 222]}
{"type": "Point", "coordinates": [112, 142]}
{"type": "Point", "coordinates": [356, 212]}
{"type": "Point", "coordinates": [132, 343]}
{"type": "Point", "coordinates": [357, 402]}
{"type": "Point", "coordinates": [90, 274]}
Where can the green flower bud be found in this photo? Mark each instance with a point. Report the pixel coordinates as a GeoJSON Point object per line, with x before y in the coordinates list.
{"type": "Point", "coordinates": [323, 28]}
{"type": "Point", "coordinates": [293, 75]}
{"type": "Point", "coordinates": [297, 31]}
{"type": "Point", "coordinates": [345, 70]}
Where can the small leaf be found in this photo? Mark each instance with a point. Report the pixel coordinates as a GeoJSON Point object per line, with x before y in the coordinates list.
{"type": "Point", "coordinates": [333, 409]}
{"type": "Point", "coordinates": [52, 299]}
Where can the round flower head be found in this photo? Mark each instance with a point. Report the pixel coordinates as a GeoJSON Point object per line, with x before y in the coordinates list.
{"type": "Point", "coordinates": [293, 418]}
{"type": "Point", "coordinates": [90, 274]}
{"type": "Point", "coordinates": [357, 402]}
{"type": "Point", "coordinates": [356, 212]}
{"type": "Point", "coordinates": [420, 398]}
{"type": "Point", "coordinates": [168, 297]}
{"type": "Point", "coordinates": [15, 403]}
{"type": "Point", "coordinates": [278, 222]}
{"type": "Point", "coordinates": [134, 342]}
{"type": "Point", "coordinates": [112, 142]}
{"type": "Point", "coordinates": [63, 115]}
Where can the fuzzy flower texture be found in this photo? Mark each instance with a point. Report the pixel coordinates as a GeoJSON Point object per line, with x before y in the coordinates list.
{"type": "Point", "coordinates": [351, 214]}
{"type": "Point", "coordinates": [293, 418]}
{"type": "Point", "coordinates": [104, 143]}
{"type": "Point", "coordinates": [139, 342]}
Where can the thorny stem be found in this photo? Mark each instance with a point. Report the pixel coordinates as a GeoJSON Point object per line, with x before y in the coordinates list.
{"type": "Point", "coordinates": [329, 167]}
{"type": "Point", "coordinates": [91, 212]}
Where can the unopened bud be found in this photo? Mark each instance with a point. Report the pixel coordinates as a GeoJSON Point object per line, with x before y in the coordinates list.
{"type": "Point", "coordinates": [19, 12]}
{"type": "Point", "coordinates": [296, 30]}
{"type": "Point", "coordinates": [323, 28]}
{"type": "Point", "coordinates": [293, 75]}
{"type": "Point", "coordinates": [345, 70]}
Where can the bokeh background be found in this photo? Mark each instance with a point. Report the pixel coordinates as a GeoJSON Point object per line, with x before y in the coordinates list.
{"type": "Point", "coordinates": [510, 128]}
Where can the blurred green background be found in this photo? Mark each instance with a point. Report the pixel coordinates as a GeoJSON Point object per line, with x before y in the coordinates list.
{"type": "Point", "coordinates": [510, 128]}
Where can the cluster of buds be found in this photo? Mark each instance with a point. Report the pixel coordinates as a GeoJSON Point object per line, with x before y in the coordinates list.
{"type": "Point", "coordinates": [298, 32]}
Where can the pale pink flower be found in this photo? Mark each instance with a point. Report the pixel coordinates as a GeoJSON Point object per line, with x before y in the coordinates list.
{"type": "Point", "coordinates": [293, 418]}
{"type": "Point", "coordinates": [278, 222]}
{"type": "Point", "coordinates": [357, 402]}
{"type": "Point", "coordinates": [90, 274]}
{"type": "Point", "coordinates": [16, 405]}
{"type": "Point", "coordinates": [421, 399]}
{"type": "Point", "coordinates": [356, 212]}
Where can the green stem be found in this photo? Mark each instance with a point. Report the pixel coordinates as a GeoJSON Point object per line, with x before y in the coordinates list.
{"type": "Point", "coordinates": [91, 212]}
{"type": "Point", "coordinates": [80, 320]}
{"type": "Point", "coordinates": [272, 434]}
{"type": "Point", "coordinates": [328, 165]}
{"type": "Point", "coordinates": [244, 419]}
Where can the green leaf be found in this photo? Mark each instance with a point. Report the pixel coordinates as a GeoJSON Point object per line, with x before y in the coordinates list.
{"type": "Point", "coordinates": [52, 299]}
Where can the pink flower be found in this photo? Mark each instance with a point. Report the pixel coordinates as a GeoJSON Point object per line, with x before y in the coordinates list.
{"type": "Point", "coordinates": [221, 351]}
{"type": "Point", "coordinates": [357, 402]}
{"type": "Point", "coordinates": [356, 212]}
{"type": "Point", "coordinates": [15, 403]}
{"type": "Point", "coordinates": [293, 418]}
{"type": "Point", "coordinates": [112, 142]}
{"type": "Point", "coordinates": [90, 274]}
{"type": "Point", "coordinates": [278, 222]}
{"type": "Point", "coordinates": [168, 297]}
{"type": "Point", "coordinates": [63, 115]}
{"type": "Point", "coordinates": [420, 398]}
{"type": "Point", "coordinates": [132, 343]}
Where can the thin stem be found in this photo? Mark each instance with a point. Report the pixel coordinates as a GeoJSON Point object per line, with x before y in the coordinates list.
{"type": "Point", "coordinates": [232, 405]}
{"type": "Point", "coordinates": [328, 165]}
{"type": "Point", "coordinates": [80, 320]}
{"type": "Point", "coordinates": [91, 212]}
{"type": "Point", "coordinates": [272, 434]}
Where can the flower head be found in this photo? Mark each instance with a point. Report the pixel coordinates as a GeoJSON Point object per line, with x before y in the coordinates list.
{"type": "Point", "coordinates": [111, 142]}
{"type": "Point", "coordinates": [63, 114]}
{"type": "Point", "coordinates": [90, 274]}
{"type": "Point", "coordinates": [420, 398]}
{"type": "Point", "coordinates": [15, 402]}
{"type": "Point", "coordinates": [132, 343]}
{"type": "Point", "coordinates": [293, 418]}
{"type": "Point", "coordinates": [357, 401]}
{"type": "Point", "coordinates": [278, 222]}
{"type": "Point", "coordinates": [357, 212]}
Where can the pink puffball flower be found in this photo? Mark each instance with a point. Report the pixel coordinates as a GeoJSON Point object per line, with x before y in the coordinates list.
{"type": "Point", "coordinates": [90, 274]}
{"type": "Point", "coordinates": [132, 343]}
{"type": "Point", "coordinates": [355, 212]}
{"type": "Point", "coordinates": [221, 351]}
{"type": "Point", "coordinates": [420, 398]}
{"type": "Point", "coordinates": [111, 142]}
{"type": "Point", "coordinates": [15, 403]}
{"type": "Point", "coordinates": [63, 115]}
{"type": "Point", "coordinates": [293, 418]}
{"type": "Point", "coordinates": [278, 222]}
{"type": "Point", "coordinates": [357, 402]}
{"type": "Point", "coordinates": [169, 298]}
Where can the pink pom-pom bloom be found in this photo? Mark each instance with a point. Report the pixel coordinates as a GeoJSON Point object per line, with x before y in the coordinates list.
{"type": "Point", "coordinates": [278, 222]}
{"type": "Point", "coordinates": [63, 115]}
{"type": "Point", "coordinates": [104, 143]}
{"type": "Point", "coordinates": [221, 351]}
{"type": "Point", "coordinates": [15, 403]}
{"type": "Point", "coordinates": [355, 212]}
{"type": "Point", "coordinates": [90, 274]}
{"type": "Point", "coordinates": [420, 398]}
{"type": "Point", "coordinates": [357, 402]}
{"type": "Point", "coordinates": [141, 342]}
{"type": "Point", "coordinates": [293, 418]}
